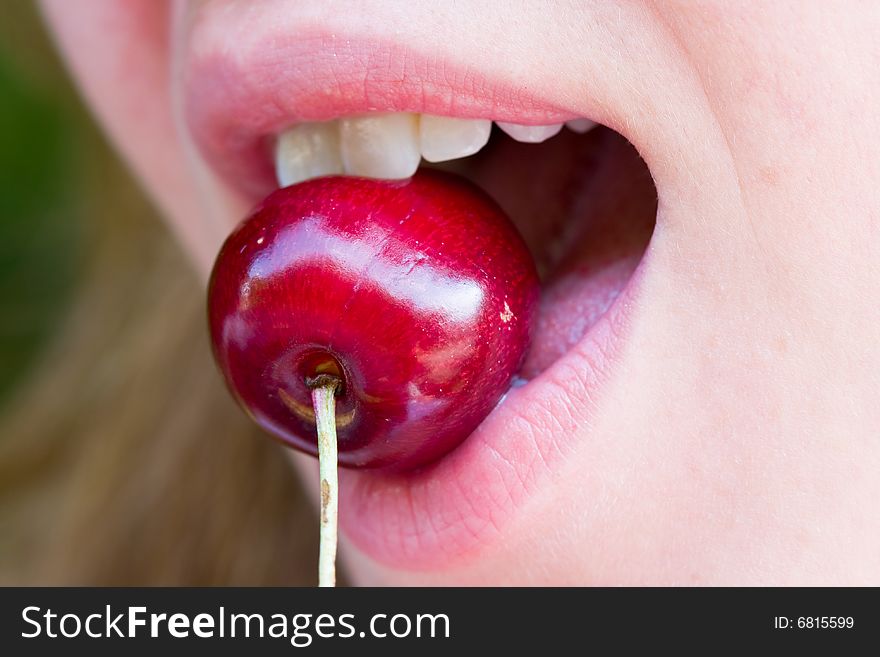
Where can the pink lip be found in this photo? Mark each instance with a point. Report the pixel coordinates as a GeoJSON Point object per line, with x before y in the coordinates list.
{"type": "Point", "coordinates": [451, 510]}
{"type": "Point", "coordinates": [234, 104]}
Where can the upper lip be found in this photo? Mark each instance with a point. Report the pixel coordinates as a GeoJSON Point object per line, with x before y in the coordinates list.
{"type": "Point", "coordinates": [278, 76]}
{"type": "Point", "coordinates": [236, 100]}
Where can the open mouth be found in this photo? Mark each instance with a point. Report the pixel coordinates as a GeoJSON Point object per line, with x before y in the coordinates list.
{"type": "Point", "coordinates": [579, 194]}
{"type": "Point", "coordinates": [581, 197]}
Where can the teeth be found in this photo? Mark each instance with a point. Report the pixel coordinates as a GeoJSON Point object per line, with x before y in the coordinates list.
{"type": "Point", "coordinates": [580, 126]}
{"type": "Point", "coordinates": [445, 138]}
{"type": "Point", "coordinates": [391, 145]}
{"type": "Point", "coordinates": [530, 134]}
{"type": "Point", "coordinates": [307, 151]}
{"type": "Point", "coordinates": [380, 146]}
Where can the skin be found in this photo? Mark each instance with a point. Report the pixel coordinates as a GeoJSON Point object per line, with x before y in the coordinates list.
{"type": "Point", "coordinates": [738, 441]}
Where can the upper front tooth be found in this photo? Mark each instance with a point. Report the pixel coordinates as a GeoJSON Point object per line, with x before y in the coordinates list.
{"type": "Point", "coordinates": [380, 146]}
{"type": "Point", "coordinates": [531, 134]}
{"type": "Point", "coordinates": [580, 126]}
{"type": "Point", "coordinates": [446, 138]}
{"type": "Point", "coordinates": [307, 151]}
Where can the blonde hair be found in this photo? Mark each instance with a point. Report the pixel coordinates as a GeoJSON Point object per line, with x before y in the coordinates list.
{"type": "Point", "coordinates": [122, 458]}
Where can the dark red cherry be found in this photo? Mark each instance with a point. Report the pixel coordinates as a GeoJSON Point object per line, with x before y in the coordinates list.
{"type": "Point", "coordinates": [419, 294]}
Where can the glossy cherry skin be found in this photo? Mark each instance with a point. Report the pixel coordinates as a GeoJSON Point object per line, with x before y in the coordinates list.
{"type": "Point", "coordinates": [419, 294]}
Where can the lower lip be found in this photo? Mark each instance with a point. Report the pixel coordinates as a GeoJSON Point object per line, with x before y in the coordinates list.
{"type": "Point", "coordinates": [442, 515]}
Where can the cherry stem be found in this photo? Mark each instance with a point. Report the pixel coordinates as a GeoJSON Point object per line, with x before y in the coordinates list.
{"type": "Point", "coordinates": [324, 388]}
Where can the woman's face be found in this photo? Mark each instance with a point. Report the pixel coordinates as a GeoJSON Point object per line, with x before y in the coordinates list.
{"type": "Point", "coordinates": [719, 422]}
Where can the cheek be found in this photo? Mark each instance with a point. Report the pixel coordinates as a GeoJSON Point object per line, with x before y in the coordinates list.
{"type": "Point", "coordinates": [121, 57]}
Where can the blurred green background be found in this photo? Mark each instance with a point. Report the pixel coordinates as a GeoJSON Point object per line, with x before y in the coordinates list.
{"type": "Point", "coordinates": [123, 460]}
{"type": "Point", "coordinates": [42, 135]}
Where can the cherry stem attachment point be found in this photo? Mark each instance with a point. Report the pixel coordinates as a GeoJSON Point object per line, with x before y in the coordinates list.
{"type": "Point", "coordinates": [324, 387]}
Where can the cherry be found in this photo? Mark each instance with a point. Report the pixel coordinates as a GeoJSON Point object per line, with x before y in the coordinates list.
{"type": "Point", "coordinates": [414, 299]}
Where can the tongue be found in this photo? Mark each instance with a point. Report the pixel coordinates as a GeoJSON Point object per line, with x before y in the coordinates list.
{"type": "Point", "coordinates": [585, 205]}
